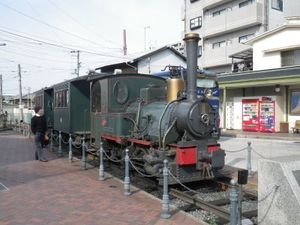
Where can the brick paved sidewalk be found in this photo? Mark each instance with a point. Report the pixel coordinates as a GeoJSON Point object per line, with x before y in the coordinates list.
{"type": "Point", "coordinates": [57, 192]}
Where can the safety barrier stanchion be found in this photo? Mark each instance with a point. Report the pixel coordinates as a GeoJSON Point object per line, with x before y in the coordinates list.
{"type": "Point", "coordinates": [29, 131]}
{"type": "Point", "coordinates": [83, 160]}
{"type": "Point", "coordinates": [101, 166]}
{"type": "Point", "coordinates": [233, 202]}
{"type": "Point", "coordinates": [165, 200]}
{"type": "Point", "coordinates": [127, 179]}
{"type": "Point", "coordinates": [23, 130]}
{"type": "Point", "coordinates": [59, 144]}
{"type": "Point", "coordinates": [70, 148]}
{"type": "Point", "coordinates": [51, 140]}
{"type": "Point", "coordinates": [249, 158]}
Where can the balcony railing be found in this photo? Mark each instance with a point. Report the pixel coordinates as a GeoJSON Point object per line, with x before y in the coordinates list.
{"type": "Point", "coordinates": [233, 20]}
{"type": "Point", "coordinates": [220, 56]}
{"type": "Point", "coordinates": [207, 4]}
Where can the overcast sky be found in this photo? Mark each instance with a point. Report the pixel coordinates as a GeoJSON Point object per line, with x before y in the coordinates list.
{"type": "Point", "coordinates": [40, 34]}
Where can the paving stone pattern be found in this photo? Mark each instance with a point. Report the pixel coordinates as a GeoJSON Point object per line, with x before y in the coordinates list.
{"type": "Point", "coordinates": [57, 192]}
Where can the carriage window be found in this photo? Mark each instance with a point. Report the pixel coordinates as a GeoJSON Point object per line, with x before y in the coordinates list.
{"type": "Point", "coordinates": [96, 97]}
{"type": "Point", "coordinates": [38, 101]}
{"type": "Point", "coordinates": [61, 98]}
{"type": "Point", "coordinates": [56, 99]}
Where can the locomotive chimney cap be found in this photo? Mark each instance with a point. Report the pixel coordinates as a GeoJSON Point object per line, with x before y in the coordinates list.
{"type": "Point", "coordinates": [191, 36]}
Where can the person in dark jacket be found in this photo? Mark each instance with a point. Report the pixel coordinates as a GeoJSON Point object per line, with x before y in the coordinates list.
{"type": "Point", "coordinates": [39, 128]}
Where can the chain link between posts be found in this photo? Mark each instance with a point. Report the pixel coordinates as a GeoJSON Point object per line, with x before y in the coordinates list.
{"type": "Point", "coordinates": [272, 191]}
{"type": "Point", "coordinates": [111, 159]}
{"type": "Point", "coordinates": [235, 151]}
{"type": "Point", "coordinates": [141, 173]}
{"type": "Point", "coordinates": [243, 149]}
{"type": "Point", "coordinates": [181, 184]}
{"type": "Point", "coordinates": [64, 142]}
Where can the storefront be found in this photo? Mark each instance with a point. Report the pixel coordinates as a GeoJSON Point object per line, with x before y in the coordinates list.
{"type": "Point", "coordinates": [260, 101]}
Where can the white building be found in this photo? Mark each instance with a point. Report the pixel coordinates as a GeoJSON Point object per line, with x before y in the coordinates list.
{"type": "Point", "coordinates": [224, 25]}
{"type": "Point", "coordinates": [276, 78]}
{"type": "Point", "coordinates": [148, 62]}
{"type": "Point", "coordinates": [277, 48]}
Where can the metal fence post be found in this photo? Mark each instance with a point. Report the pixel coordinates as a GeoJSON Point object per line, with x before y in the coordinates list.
{"type": "Point", "coordinates": [59, 144]}
{"type": "Point", "coordinates": [83, 160]}
{"type": "Point", "coordinates": [51, 140]}
{"type": "Point", "coordinates": [240, 198]}
{"type": "Point", "coordinates": [29, 131]}
{"type": "Point", "coordinates": [165, 201]}
{"type": "Point", "coordinates": [70, 148]}
{"type": "Point", "coordinates": [23, 130]}
{"type": "Point", "coordinates": [101, 166]}
{"type": "Point", "coordinates": [127, 178]}
{"type": "Point", "coordinates": [233, 202]}
{"type": "Point", "coordinates": [249, 158]}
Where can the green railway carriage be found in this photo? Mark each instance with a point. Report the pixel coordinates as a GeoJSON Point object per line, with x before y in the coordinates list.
{"type": "Point", "coordinates": [72, 106]}
{"type": "Point", "coordinates": [110, 97]}
{"type": "Point", "coordinates": [44, 99]}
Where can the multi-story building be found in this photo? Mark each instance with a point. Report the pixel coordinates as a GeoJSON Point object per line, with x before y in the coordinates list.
{"type": "Point", "coordinates": [224, 25]}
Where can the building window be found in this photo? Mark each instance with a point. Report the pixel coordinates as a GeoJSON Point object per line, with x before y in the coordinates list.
{"type": "Point", "coordinates": [244, 38]}
{"type": "Point", "coordinates": [277, 4]}
{"type": "Point", "coordinates": [219, 12]}
{"type": "Point", "coordinates": [196, 23]}
{"type": "Point", "coordinates": [219, 44]}
{"type": "Point", "coordinates": [290, 58]}
{"type": "Point", "coordinates": [199, 51]}
{"type": "Point", "coordinates": [245, 3]}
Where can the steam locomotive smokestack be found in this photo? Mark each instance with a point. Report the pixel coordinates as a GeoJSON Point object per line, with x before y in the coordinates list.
{"type": "Point", "coordinates": [191, 42]}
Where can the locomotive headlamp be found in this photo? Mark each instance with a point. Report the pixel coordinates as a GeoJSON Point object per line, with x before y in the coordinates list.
{"type": "Point", "coordinates": [205, 118]}
{"type": "Point", "coordinates": [208, 92]}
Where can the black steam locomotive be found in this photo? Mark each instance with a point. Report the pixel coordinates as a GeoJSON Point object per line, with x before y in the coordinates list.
{"type": "Point", "coordinates": [155, 118]}
{"type": "Point", "coordinates": [135, 111]}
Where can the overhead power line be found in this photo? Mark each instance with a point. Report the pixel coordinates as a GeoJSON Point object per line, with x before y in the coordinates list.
{"type": "Point", "coordinates": [34, 57]}
{"type": "Point", "coordinates": [49, 25]}
{"type": "Point", "coordinates": [61, 46]}
{"type": "Point", "coordinates": [79, 23]}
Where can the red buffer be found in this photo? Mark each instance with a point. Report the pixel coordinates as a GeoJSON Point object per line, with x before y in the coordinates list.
{"type": "Point", "coordinates": [186, 155]}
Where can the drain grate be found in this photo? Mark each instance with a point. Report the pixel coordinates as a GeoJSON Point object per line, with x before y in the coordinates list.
{"type": "Point", "coordinates": [3, 187]}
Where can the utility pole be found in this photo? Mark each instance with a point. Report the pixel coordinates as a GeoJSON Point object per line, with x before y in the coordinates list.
{"type": "Point", "coordinates": [29, 98]}
{"type": "Point", "coordinates": [124, 42]}
{"type": "Point", "coordinates": [20, 90]}
{"type": "Point", "coordinates": [1, 95]}
{"type": "Point", "coordinates": [1, 92]}
{"type": "Point", "coordinates": [78, 63]}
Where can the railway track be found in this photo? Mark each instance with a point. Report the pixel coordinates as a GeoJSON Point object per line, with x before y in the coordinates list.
{"type": "Point", "coordinates": [215, 206]}
{"type": "Point", "coordinates": [219, 207]}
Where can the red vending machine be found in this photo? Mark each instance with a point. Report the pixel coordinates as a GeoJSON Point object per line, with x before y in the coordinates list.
{"type": "Point", "coordinates": [267, 115]}
{"type": "Point", "coordinates": [250, 114]}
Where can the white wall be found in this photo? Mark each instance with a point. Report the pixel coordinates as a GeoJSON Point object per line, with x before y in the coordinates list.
{"type": "Point", "coordinates": [157, 62]}
{"type": "Point", "coordinates": [284, 38]}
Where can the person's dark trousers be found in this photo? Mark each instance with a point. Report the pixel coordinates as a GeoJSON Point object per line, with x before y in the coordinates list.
{"type": "Point", "coordinates": [38, 140]}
